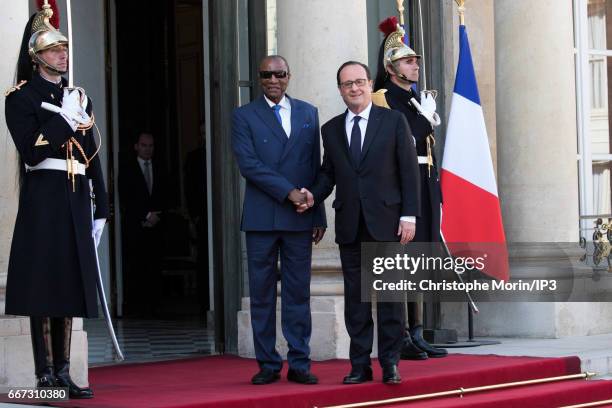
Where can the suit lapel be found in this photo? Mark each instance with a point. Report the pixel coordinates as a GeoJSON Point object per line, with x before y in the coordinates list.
{"type": "Point", "coordinates": [266, 114]}
{"type": "Point", "coordinates": [341, 132]}
{"type": "Point", "coordinates": [371, 130]}
{"type": "Point", "coordinates": [297, 121]}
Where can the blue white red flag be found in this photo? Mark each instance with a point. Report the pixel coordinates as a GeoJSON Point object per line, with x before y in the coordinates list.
{"type": "Point", "coordinates": [471, 210]}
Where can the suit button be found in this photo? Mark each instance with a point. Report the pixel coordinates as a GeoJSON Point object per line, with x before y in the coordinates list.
{"type": "Point", "coordinates": [265, 140]}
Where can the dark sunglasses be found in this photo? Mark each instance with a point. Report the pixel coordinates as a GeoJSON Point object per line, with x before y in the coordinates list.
{"type": "Point", "coordinates": [277, 74]}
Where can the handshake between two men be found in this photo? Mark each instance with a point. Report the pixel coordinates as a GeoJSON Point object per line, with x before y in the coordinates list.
{"type": "Point", "coordinates": [303, 200]}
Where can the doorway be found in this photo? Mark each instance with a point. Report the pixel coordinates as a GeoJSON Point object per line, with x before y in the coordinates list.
{"type": "Point", "coordinates": [161, 276]}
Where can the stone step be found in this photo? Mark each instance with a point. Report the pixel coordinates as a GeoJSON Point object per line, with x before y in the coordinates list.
{"type": "Point", "coordinates": [595, 352]}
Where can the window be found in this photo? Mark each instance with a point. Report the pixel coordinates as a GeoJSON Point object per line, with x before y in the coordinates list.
{"type": "Point", "coordinates": [593, 36]}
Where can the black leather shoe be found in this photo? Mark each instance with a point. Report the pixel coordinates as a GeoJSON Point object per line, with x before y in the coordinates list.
{"type": "Point", "coordinates": [416, 334]}
{"type": "Point", "coordinates": [391, 375]}
{"type": "Point", "coordinates": [410, 351]}
{"type": "Point", "coordinates": [358, 375]}
{"type": "Point", "coordinates": [265, 376]}
{"type": "Point", "coordinates": [74, 391]}
{"type": "Point", "coordinates": [301, 377]}
{"type": "Point", "coordinates": [46, 381]}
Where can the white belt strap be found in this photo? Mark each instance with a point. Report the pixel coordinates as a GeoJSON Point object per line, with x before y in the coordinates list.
{"type": "Point", "coordinates": [57, 164]}
{"type": "Point", "coordinates": [422, 159]}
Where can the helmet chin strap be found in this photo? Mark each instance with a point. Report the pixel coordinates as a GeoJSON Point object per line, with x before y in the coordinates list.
{"type": "Point", "coordinates": [45, 64]}
{"type": "Point", "coordinates": [400, 76]}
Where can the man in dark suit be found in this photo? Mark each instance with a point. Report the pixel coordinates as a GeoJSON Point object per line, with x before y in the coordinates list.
{"type": "Point", "coordinates": [369, 155]}
{"type": "Point", "coordinates": [142, 191]}
{"type": "Point", "coordinates": [275, 140]}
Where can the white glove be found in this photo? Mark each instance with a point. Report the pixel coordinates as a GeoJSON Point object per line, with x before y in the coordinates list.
{"type": "Point", "coordinates": [98, 228]}
{"type": "Point", "coordinates": [428, 103]}
{"type": "Point", "coordinates": [427, 108]}
{"type": "Point", "coordinates": [71, 101]}
{"type": "Point", "coordinates": [71, 110]}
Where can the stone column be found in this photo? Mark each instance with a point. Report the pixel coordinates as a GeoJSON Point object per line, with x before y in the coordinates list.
{"type": "Point", "coordinates": [538, 176]}
{"type": "Point", "coordinates": [536, 120]}
{"type": "Point", "coordinates": [316, 37]}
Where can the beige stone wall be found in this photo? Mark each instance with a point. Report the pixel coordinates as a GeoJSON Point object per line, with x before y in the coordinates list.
{"type": "Point", "coordinates": [12, 21]}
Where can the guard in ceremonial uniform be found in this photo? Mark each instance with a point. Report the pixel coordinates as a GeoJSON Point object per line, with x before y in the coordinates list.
{"type": "Point", "coordinates": [52, 267]}
{"type": "Point", "coordinates": [398, 71]}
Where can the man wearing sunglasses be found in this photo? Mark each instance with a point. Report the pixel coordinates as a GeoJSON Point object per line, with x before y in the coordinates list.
{"type": "Point", "coordinates": [275, 140]}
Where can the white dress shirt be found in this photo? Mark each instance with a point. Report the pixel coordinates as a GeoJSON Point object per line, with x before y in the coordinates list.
{"type": "Point", "coordinates": [363, 124]}
{"type": "Point", "coordinates": [285, 113]}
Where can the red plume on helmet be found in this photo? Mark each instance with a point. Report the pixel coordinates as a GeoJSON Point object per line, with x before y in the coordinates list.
{"type": "Point", "coordinates": [388, 25]}
{"type": "Point", "coordinates": [55, 22]}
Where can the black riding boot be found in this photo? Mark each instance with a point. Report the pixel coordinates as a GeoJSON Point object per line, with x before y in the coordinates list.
{"type": "Point", "coordinates": [415, 332]}
{"type": "Point", "coordinates": [417, 338]}
{"type": "Point", "coordinates": [40, 332]}
{"type": "Point", "coordinates": [61, 332]}
{"type": "Point", "coordinates": [411, 351]}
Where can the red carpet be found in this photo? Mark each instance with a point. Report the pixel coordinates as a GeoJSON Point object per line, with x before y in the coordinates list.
{"type": "Point", "coordinates": [544, 396]}
{"type": "Point", "coordinates": [223, 382]}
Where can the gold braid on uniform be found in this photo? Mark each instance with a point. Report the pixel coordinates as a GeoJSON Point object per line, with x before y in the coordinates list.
{"type": "Point", "coordinates": [431, 141]}
{"type": "Point", "coordinates": [379, 99]}
{"type": "Point", "coordinates": [84, 128]}
{"type": "Point", "coordinates": [15, 88]}
{"type": "Point", "coordinates": [70, 159]}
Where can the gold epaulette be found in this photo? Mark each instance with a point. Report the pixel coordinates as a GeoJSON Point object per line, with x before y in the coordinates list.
{"type": "Point", "coordinates": [14, 88]}
{"type": "Point", "coordinates": [379, 99]}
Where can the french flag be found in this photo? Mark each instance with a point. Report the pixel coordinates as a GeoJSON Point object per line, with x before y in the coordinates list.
{"type": "Point", "coordinates": [471, 212]}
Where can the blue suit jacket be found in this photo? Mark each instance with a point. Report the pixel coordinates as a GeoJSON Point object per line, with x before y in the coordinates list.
{"type": "Point", "coordinates": [273, 165]}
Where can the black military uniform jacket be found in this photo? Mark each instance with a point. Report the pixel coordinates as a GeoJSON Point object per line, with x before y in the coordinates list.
{"type": "Point", "coordinates": [52, 266]}
{"type": "Point", "coordinates": [428, 224]}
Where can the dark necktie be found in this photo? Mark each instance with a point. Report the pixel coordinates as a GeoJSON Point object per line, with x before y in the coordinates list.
{"type": "Point", "coordinates": [147, 176]}
{"type": "Point", "coordinates": [356, 141]}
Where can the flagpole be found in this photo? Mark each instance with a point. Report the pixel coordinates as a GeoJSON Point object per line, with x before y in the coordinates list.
{"type": "Point", "coordinates": [461, 10]}
{"type": "Point", "coordinates": [424, 69]}
{"type": "Point", "coordinates": [400, 10]}
{"type": "Point", "coordinates": [70, 48]}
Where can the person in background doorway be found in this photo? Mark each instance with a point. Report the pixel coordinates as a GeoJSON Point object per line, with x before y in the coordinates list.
{"type": "Point", "coordinates": [142, 195]}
